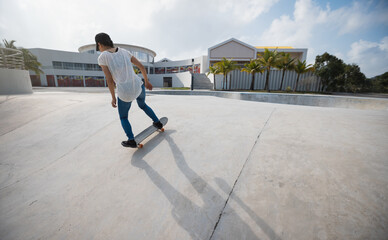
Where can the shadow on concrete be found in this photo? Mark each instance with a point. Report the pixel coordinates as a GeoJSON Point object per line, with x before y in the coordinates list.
{"type": "Point", "coordinates": [259, 221]}
{"type": "Point", "coordinates": [191, 217]}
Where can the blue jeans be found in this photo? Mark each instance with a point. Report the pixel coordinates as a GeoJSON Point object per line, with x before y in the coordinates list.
{"type": "Point", "coordinates": [124, 107]}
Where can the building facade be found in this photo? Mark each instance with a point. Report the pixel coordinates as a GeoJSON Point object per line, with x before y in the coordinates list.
{"type": "Point", "coordinates": [80, 69]}
{"type": "Point", "coordinates": [242, 52]}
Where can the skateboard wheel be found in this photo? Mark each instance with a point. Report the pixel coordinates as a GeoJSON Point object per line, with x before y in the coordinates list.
{"type": "Point", "coordinates": [140, 145]}
{"type": "Point", "coordinates": [162, 130]}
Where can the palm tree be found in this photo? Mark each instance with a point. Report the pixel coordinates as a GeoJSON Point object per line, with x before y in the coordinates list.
{"type": "Point", "coordinates": [286, 63]}
{"type": "Point", "coordinates": [252, 68]}
{"type": "Point", "coordinates": [269, 60]}
{"type": "Point", "coordinates": [30, 60]}
{"type": "Point", "coordinates": [9, 44]}
{"type": "Point", "coordinates": [225, 67]}
{"type": "Point", "coordinates": [213, 70]}
{"type": "Point", "coordinates": [301, 68]}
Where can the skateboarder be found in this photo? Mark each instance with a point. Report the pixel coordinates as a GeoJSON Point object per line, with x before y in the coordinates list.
{"type": "Point", "coordinates": [117, 64]}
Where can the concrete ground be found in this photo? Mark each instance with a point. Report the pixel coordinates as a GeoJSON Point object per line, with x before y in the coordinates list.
{"type": "Point", "coordinates": [223, 169]}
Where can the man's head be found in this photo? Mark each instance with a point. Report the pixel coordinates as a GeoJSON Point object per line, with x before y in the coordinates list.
{"type": "Point", "coordinates": [103, 39]}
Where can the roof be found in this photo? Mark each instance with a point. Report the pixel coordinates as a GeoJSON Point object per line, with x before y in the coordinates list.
{"type": "Point", "coordinates": [275, 47]}
{"type": "Point", "coordinates": [232, 40]}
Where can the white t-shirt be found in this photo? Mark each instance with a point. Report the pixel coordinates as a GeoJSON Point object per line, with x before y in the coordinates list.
{"type": "Point", "coordinates": [120, 66]}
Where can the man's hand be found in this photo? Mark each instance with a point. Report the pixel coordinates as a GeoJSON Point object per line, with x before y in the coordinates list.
{"type": "Point", "coordinates": [148, 85]}
{"type": "Point", "coordinates": [114, 102]}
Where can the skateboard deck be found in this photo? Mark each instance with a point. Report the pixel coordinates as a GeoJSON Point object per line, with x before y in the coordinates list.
{"type": "Point", "coordinates": [148, 131]}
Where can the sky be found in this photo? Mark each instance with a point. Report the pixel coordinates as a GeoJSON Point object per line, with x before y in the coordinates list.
{"type": "Point", "coordinates": [355, 31]}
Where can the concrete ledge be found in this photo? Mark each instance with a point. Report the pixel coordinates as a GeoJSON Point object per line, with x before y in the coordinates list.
{"type": "Point", "coordinates": [295, 99]}
{"type": "Point", "coordinates": [14, 81]}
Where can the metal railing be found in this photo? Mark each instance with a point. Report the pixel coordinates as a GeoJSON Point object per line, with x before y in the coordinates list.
{"type": "Point", "coordinates": [11, 58]}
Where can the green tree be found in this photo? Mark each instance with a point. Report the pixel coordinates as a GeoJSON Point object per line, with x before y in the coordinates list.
{"type": "Point", "coordinates": [379, 83]}
{"type": "Point", "coordinates": [352, 80]}
{"type": "Point", "coordinates": [30, 60]}
{"type": "Point", "coordinates": [286, 63]}
{"type": "Point", "coordinates": [225, 67]}
{"type": "Point", "coordinates": [213, 70]}
{"type": "Point", "coordinates": [252, 68]}
{"type": "Point", "coordinates": [330, 69]}
{"type": "Point", "coordinates": [301, 68]}
{"type": "Point", "coordinates": [269, 59]}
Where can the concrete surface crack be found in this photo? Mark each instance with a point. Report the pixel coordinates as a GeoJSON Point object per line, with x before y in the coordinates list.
{"type": "Point", "coordinates": [37, 118]}
{"type": "Point", "coordinates": [59, 158]}
{"type": "Point", "coordinates": [238, 177]}
{"type": "Point", "coordinates": [7, 98]}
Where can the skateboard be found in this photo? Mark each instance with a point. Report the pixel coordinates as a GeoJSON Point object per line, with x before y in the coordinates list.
{"type": "Point", "coordinates": [148, 131]}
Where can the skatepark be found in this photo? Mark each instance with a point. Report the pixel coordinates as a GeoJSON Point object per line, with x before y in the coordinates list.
{"type": "Point", "coordinates": [224, 168]}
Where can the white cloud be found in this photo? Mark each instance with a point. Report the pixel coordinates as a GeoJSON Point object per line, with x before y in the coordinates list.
{"type": "Point", "coordinates": [68, 24]}
{"type": "Point", "coordinates": [191, 27]}
{"type": "Point", "coordinates": [244, 11]}
{"type": "Point", "coordinates": [176, 28]}
{"type": "Point", "coordinates": [357, 18]}
{"type": "Point", "coordinates": [372, 57]}
{"type": "Point", "coordinates": [314, 27]}
{"type": "Point", "coordinates": [309, 18]}
{"type": "Point", "coordinates": [298, 29]}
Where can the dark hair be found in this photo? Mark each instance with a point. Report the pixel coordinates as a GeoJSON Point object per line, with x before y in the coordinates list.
{"type": "Point", "coordinates": [104, 39]}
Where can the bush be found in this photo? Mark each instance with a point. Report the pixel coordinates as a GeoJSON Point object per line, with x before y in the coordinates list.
{"type": "Point", "coordinates": [288, 89]}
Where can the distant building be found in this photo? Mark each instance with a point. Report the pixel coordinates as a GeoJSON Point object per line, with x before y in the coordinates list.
{"type": "Point", "coordinates": [80, 69]}
{"type": "Point", "coordinates": [242, 52]}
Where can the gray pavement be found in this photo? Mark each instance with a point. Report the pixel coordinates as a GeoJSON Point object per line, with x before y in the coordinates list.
{"type": "Point", "coordinates": [223, 169]}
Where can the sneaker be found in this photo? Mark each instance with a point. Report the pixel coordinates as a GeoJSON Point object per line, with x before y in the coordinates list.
{"type": "Point", "coordinates": [129, 143]}
{"type": "Point", "coordinates": [158, 125]}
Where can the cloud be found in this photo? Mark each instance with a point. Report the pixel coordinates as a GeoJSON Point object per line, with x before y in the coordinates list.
{"type": "Point", "coordinates": [372, 57]}
{"type": "Point", "coordinates": [318, 29]}
{"type": "Point", "coordinates": [295, 30]}
{"type": "Point", "coordinates": [244, 11]}
{"type": "Point", "coordinates": [309, 18]}
{"type": "Point", "coordinates": [68, 24]}
{"type": "Point", "coordinates": [188, 28]}
{"type": "Point", "coordinates": [176, 28]}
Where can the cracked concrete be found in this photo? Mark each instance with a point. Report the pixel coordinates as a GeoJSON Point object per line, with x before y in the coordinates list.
{"type": "Point", "coordinates": [313, 173]}
{"type": "Point", "coordinates": [230, 193]}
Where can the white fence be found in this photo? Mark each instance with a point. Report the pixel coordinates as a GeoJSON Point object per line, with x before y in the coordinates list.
{"type": "Point", "coordinates": [242, 81]}
{"type": "Point", "coordinates": [11, 58]}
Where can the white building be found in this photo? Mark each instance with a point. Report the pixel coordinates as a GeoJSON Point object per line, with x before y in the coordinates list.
{"type": "Point", "coordinates": [242, 52]}
{"type": "Point", "coordinates": [80, 69]}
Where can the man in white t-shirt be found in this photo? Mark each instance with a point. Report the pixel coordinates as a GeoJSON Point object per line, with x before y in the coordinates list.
{"type": "Point", "coordinates": [117, 64]}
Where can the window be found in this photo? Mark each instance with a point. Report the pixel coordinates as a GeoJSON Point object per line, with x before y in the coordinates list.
{"type": "Point", "coordinates": [89, 67]}
{"type": "Point", "coordinates": [57, 65]}
{"type": "Point", "coordinates": [150, 59]}
{"type": "Point", "coordinates": [94, 81]}
{"type": "Point", "coordinates": [172, 69]}
{"type": "Point", "coordinates": [167, 82]}
{"type": "Point", "coordinates": [78, 66]}
{"type": "Point", "coordinates": [67, 65]}
{"type": "Point", "coordinates": [159, 70]}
